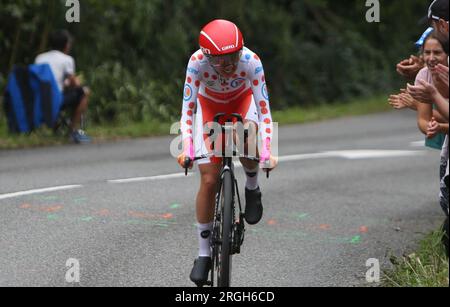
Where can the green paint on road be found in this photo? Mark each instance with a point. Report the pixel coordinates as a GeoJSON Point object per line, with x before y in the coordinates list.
{"type": "Point", "coordinates": [162, 225]}
{"type": "Point", "coordinates": [52, 217]}
{"type": "Point", "coordinates": [356, 240]}
{"type": "Point", "coordinates": [302, 216]}
{"type": "Point", "coordinates": [132, 222]}
{"type": "Point", "coordinates": [175, 206]}
{"type": "Point", "coordinates": [87, 219]}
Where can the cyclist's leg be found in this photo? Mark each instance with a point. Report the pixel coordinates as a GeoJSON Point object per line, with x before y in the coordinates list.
{"type": "Point", "coordinates": [253, 208]}
{"type": "Point", "coordinates": [209, 168]}
{"type": "Point", "coordinates": [250, 115]}
{"type": "Point", "coordinates": [209, 174]}
{"type": "Point", "coordinates": [251, 145]}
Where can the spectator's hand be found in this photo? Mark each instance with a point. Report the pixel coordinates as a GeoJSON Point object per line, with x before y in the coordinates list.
{"type": "Point", "coordinates": [440, 79]}
{"type": "Point", "coordinates": [408, 100]}
{"type": "Point", "coordinates": [77, 81]}
{"type": "Point", "coordinates": [66, 83]}
{"type": "Point", "coordinates": [424, 92]}
{"type": "Point", "coordinates": [402, 100]}
{"type": "Point", "coordinates": [396, 102]}
{"type": "Point", "coordinates": [433, 128]}
{"type": "Point", "coordinates": [72, 81]}
{"type": "Point", "coordinates": [409, 68]}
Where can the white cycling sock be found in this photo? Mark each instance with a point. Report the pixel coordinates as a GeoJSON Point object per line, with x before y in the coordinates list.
{"type": "Point", "coordinates": [204, 236]}
{"type": "Point", "coordinates": [252, 179]}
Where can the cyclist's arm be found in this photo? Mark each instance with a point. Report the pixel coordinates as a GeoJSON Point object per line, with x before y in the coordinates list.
{"type": "Point", "coordinates": [191, 88]}
{"type": "Point", "coordinates": [261, 96]}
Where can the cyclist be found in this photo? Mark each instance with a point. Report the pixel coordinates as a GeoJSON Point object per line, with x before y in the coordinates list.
{"type": "Point", "coordinates": [223, 77]}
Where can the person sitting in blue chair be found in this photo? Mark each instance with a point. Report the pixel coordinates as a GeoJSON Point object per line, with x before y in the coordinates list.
{"type": "Point", "coordinates": [75, 96]}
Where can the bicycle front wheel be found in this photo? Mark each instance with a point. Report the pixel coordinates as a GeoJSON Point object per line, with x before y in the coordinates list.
{"type": "Point", "coordinates": [226, 207]}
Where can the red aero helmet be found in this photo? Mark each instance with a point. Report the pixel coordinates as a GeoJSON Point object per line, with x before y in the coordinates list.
{"type": "Point", "coordinates": [220, 37]}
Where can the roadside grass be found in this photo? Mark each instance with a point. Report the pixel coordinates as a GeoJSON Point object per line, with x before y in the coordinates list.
{"type": "Point", "coordinates": [297, 115]}
{"type": "Point", "coordinates": [427, 267]}
{"type": "Point", "coordinates": [118, 131]}
{"type": "Point", "coordinates": [45, 136]}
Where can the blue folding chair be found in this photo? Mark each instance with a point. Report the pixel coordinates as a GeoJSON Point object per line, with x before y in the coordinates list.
{"type": "Point", "coordinates": [32, 98]}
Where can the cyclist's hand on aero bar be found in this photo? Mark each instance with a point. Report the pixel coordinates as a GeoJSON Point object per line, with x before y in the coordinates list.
{"type": "Point", "coordinates": [181, 160]}
{"type": "Point", "coordinates": [271, 164]}
{"type": "Point", "coordinates": [188, 152]}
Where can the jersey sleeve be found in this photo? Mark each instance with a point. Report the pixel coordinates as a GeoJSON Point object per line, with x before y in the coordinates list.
{"type": "Point", "coordinates": [69, 67]}
{"type": "Point", "coordinates": [261, 96]}
{"type": "Point", "coordinates": [191, 89]}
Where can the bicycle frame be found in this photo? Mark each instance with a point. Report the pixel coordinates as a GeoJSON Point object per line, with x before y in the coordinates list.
{"type": "Point", "coordinates": [225, 223]}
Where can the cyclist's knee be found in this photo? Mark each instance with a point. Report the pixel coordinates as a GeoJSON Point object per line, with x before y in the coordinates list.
{"type": "Point", "coordinates": [249, 164]}
{"type": "Point", "coordinates": [251, 145]}
{"type": "Point", "coordinates": [209, 176]}
{"type": "Point", "coordinates": [209, 181]}
{"type": "Point", "coordinates": [252, 129]}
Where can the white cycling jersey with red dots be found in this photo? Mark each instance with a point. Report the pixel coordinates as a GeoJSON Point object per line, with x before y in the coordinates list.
{"type": "Point", "coordinates": [202, 79]}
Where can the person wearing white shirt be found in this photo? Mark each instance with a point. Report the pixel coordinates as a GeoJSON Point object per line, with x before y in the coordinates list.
{"type": "Point", "coordinates": [75, 96]}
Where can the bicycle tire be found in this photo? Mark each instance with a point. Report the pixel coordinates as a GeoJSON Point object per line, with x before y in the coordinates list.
{"type": "Point", "coordinates": [224, 265]}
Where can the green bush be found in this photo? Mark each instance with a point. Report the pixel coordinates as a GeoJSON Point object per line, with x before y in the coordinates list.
{"type": "Point", "coordinates": [133, 54]}
{"type": "Point", "coordinates": [120, 96]}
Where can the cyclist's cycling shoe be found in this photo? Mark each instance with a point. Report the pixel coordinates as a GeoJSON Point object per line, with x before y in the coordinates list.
{"type": "Point", "coordinates": [253, 206]}
{"type": "Point", "coordinates": [200, 271]}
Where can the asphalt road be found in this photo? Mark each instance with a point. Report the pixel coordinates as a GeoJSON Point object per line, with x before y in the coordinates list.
{"type": "Point", "coordinates": [345, 191]}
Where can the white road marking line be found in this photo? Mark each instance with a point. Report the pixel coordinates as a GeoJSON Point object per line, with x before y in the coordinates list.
{"type": "Point", "coordinates": [320, 155]}
{"type": "Point", "coordinates": [417, 144]}
{"type": "Point", "coordinates": [153, 178]}
{"type": "Point", "coordinates": [39, 191]}
{"type": "Point", "coordinates": [344, 154]}
{"type": "Point", "coordinates": [373, 154]}
{"type": "Point", "coordinates": [353, 154]}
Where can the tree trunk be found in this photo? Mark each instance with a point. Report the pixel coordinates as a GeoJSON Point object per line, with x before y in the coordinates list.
{"type": "Point", "coordinates": [15, 49]}
{"type": "Point", "coordinates": [47, 27]}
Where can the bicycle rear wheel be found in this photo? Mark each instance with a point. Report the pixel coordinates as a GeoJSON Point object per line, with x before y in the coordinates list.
{"type": "Point", "coordinates": [223, 263]}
